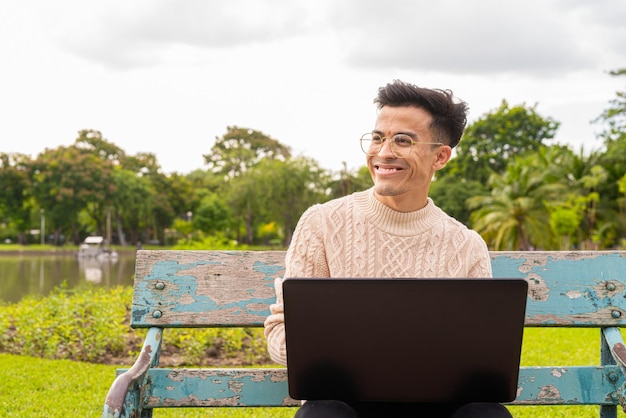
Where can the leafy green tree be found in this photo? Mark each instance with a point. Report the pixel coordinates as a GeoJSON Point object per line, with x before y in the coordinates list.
{"type": "Point", "coordinates": [98, 209]}
{"type": "Point", "coordinates": [276, 191]}
{"type": "Point", "coordinates": [582, 173]}
{"type": "Point", "coordinates": [93, 142]}
{"type": "Point", "coordinates": [173, 193]}
{"type": "Point", "coordinates": [242, 148]}
{"type": "Point", "coordinates": [491, 142]}
{"type": "Point", "coordinates": [621, 184]}
{"type": "Point", "coordinates": [15, 193]}
{"type": "Point", "coordinates": [450, 194]}
{"type": "Point", "coordinates": [294, 185]}
{"type": "Point", "coordinates": [514, 216]}
{"type": "Point", "coordinates": [348, 182]}
{"type": "Point", "coordinates": [565, 220]}
{"type": "Point", "coordinates": [613, 123]}
{"type": "Point", "coordinates": [246, 197]}
{"type": "Point", "coordinates": [613, 118]}
{"type": "Point", "coordinates": [204, 181]}
{"type": "Point", "coordinates": [212, 214]}
{"type": "Point", "coordinates": [142, 163]}
{"type": "Point", "coordinates": [590, 184]}
{"type": "Point", "coordinates": [65, 180]}
{"type": "Point", "coordinates": [133, 205]}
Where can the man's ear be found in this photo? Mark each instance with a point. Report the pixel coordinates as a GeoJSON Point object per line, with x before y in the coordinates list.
{"type": "Point", "coordinates": [444, 153]}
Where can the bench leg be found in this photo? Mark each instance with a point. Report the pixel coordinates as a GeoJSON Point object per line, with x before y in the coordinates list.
{"type": "Point", "coordinates": [606, 411]}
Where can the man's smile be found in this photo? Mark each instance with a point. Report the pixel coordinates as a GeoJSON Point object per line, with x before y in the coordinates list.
{"type": "Point", "coordinates": [387, 168]}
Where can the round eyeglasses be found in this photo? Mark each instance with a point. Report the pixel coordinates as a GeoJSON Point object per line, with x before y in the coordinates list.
{"type": "Point", "coordinates": [400, 144]}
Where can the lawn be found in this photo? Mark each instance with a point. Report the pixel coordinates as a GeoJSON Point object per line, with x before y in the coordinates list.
{"type": "Point", "coordinates": [33, 387]}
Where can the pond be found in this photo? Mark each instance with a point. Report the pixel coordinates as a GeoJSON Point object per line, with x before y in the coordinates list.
{"type": "Point", "coordinates": [22, 275]}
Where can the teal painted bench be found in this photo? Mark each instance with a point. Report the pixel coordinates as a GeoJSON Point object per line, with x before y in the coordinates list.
{"type": "Point", "coordinates": [184, 289]}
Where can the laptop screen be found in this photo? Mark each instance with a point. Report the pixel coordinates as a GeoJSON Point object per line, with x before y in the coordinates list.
{"type": "Point", "coordinates": [404, 340]}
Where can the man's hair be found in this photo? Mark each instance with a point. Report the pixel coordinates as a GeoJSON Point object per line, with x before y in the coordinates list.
{"type": "Point", "coordinates": [449, 116]}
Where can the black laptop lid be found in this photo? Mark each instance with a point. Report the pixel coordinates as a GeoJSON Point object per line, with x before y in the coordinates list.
{"type": "Point", "coordinates": [404, 340]}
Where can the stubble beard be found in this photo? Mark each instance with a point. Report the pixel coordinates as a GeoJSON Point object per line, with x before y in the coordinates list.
{"type": "Point", "coordinates": [388, 190]}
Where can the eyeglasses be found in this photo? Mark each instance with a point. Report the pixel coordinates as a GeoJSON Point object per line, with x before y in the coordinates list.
{"type": "Point", "coordinates": [400, 144]}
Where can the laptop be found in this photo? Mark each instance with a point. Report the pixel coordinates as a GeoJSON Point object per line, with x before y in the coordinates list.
{"type": "Point", "coordinates": [404, 340]}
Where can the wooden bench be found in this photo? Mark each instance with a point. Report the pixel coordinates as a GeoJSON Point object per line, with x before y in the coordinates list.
{"type": "Point", "coordinates": [234, 288]}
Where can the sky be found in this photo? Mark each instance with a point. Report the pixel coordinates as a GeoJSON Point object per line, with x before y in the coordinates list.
{"type": "Point", "coordinates": [168, 77]}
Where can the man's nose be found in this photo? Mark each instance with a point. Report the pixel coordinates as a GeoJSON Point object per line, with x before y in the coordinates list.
{"type": "Point", "coordinates": [385, 150]}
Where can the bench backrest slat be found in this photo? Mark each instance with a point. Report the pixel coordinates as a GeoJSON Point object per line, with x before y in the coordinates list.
{"type": "Point", "coordinates": [200, 288]}
{"type": "Point", "coordinates": [569, 288]}
{"type": "Point", "coordinates": [222, 288]}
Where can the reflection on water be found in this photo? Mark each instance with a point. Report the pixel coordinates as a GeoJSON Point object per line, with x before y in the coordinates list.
{"type": "Point", "coordinates": [23, 275]}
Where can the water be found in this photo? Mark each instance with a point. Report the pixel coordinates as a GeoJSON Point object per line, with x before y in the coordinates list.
{"type": "Point", "coordinates": [22, 275]}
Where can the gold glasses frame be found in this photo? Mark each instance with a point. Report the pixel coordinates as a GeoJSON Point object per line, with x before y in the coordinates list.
{"type": "Point", "coordinates": [400, 144]}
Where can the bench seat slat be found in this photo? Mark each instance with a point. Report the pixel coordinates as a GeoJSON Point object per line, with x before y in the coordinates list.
{"type": "Point", "coordinates": [177, 387]}
{"type": "Point", "coordinates": [219, 387]}
{"type": "Point", "coordinates": [580, 385]}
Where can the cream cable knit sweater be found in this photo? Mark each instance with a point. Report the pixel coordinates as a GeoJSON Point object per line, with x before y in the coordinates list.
{"type": "Point", "coordinates": [358, 236]}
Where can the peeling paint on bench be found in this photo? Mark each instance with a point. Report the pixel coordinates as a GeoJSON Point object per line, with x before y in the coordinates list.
{"type": "Point", "coordinates": [569, 288]}
{"type": "Point", "coordinates": [234, 288]}
{"type": "Point", "coordinates": [196, 288]}
{"type": "Point", "coordinates": [219, 387]}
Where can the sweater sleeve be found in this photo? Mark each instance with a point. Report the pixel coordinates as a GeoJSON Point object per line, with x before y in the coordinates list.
{"type": "Point", "coordinates": [480, 258]}
{"type": "Point", "coordinates": [305, 258]}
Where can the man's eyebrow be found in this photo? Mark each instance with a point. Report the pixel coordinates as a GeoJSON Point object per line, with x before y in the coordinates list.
{"type": "Point", "coordinates": [411, 134]}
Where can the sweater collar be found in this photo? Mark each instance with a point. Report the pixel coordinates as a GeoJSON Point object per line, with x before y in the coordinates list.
{"type": "Point", "coordinates": [394, 222]}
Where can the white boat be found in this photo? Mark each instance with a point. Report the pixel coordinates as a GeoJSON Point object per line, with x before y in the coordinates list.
{"type": "Point", "coordinates": [94, 246]}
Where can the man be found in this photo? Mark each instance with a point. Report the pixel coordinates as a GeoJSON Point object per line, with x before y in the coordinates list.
{"type": "Point", "coordinates": [391, 230]}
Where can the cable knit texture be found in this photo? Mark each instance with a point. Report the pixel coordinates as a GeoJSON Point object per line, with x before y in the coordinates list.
{"type": "Point", "coordinates": [358, 236]}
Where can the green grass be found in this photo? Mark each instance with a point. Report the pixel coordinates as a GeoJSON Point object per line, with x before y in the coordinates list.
{"type": "Point", "coordinates": [36, 387]}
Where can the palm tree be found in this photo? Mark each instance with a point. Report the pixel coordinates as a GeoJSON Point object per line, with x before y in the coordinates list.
{"type": "Point", "coordinates": [514, 216]}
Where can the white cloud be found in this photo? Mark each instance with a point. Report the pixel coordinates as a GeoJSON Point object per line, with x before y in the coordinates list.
{"type": "Point", "coordinates": [126, 35]}
{"type": "Point", "coordinates": [167, 76]}
{"type": "Point", "coordinates": [486, 37]}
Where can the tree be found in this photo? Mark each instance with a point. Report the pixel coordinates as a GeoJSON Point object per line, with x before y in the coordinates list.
{"type": "Point", "coordinates": [15, 200]}
{"type": "Point", "coordinates": [242, 148]}
{"type": "Point", "coordinates": [294, 185]}
{"type": "Point", "coordinates": [613, 121]}
{"type": "Point", "coordinates": [348, 182]}
{"type": "Point", "coordinates": [450, 194]}
{"type": "Point", "coordinates": [614, 117]}
{"type": "Point", "coordinates": [175, 197]}
{"type": "Point", "coordinates": [65, 180]}
{"type": "Point", "coordinates": [276, 191]}
{"type": "Point", "coordinates": [173, 193]}
{"type": "Point", "coordinates": [93, 142]}
{"type": "Point", "coordinates": [621, 184]}
{"type": "Point", "coordinates": [212, 214]}
{"type": "Point", "coordinates": [246, 199]}
{"type": "Point", "coordinates": [565, 220]}
{"type": "Point", "coordinates": [514, 216]}
{"type": "Point", "coordinates": [133, 205]}
{"type": "Point", "coordinates": [493, 140]}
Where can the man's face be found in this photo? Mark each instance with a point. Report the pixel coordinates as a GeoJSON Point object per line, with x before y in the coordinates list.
{"type": "Point", "coordinates": [403, 183]}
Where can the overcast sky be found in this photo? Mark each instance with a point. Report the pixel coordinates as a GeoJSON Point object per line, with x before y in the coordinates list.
{"type": "Point", "coordinates": [168, 77]}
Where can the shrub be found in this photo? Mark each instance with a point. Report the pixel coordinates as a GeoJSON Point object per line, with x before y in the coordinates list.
{"type": "Point", "coordinates": [92, 324]}
{"type": "Point", "coordinates": [83, 324]}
